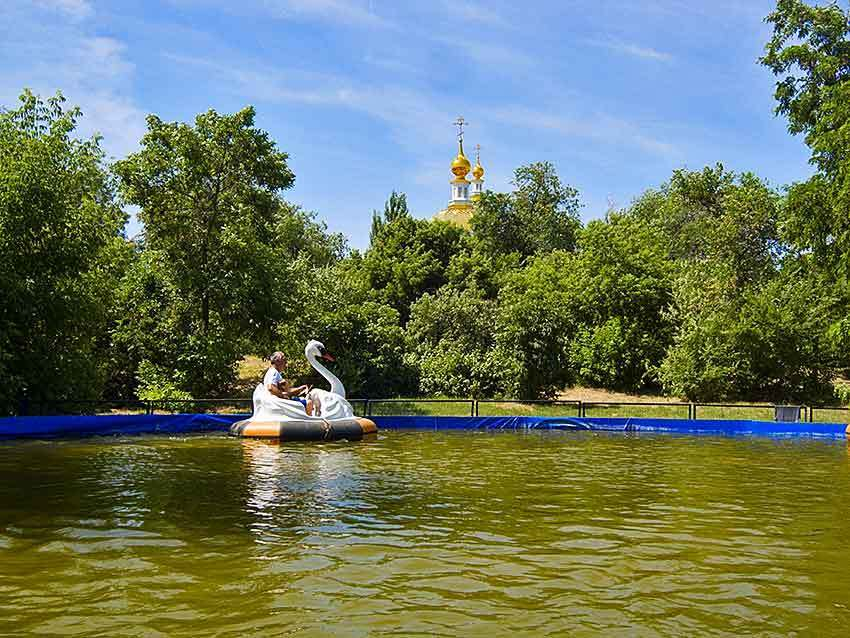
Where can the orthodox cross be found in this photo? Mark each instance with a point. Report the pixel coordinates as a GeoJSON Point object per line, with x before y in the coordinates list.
{"type": "Point", "coordinates": [460, 123]}
{"type": "Point", "coordinates": [478, 153]}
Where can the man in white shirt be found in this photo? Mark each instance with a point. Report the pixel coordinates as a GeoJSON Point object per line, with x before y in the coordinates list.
{"type": "Point", "coordinates": [277, 385]}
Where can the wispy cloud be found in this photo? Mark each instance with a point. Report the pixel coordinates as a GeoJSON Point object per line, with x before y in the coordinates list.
{"type": "Point", "coordinates": [347, 12]}
{"type": "Point", "coordinates": [102, 56]}
{"type": "Point", "coordinates": [92, 71]}
{"type": "Point", "coordinates": [75, 9]}
{"type": "Point", "coordinates": [634, 50]}
{"type": "Point", "coordinates": [392, 64]}
{"type": "Point", "coordinates": [415, 117]}
{"type": "Point", "coordinates": [474, 14]}
{"type": "Point", "coordinates": [599, 127]}
{"type": "Point", "coordinates": [494, 57]}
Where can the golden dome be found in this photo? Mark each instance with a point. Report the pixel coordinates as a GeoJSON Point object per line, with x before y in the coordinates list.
{"type": "Point", "coordinates": [478, 171]}
{"type": "Point", "coordinates": [460, 165]}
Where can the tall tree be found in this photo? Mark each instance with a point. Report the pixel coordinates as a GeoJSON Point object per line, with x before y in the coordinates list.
{"type": "Point", "coordinates": [408, 258]}
{"type": "Point", "coordinates": [810, 55]}
{"type": "Point", "coordinates": [394, 208]}
{"type": "Point", "coordinates": [222, 250]}
{"type": "Point", "coordinates": [209, 198]}
{"type": "Point", "coordinates": [539, 216]}
{"type": "Point", "coordinates": [61, 252]}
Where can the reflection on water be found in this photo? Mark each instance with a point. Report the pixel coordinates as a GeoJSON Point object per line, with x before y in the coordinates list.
{"type": "Point", "coordinates": [459, 534]}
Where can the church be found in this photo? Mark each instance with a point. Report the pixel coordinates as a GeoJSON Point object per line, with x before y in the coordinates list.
{"type": "Point", "coordinates": [464, 192]}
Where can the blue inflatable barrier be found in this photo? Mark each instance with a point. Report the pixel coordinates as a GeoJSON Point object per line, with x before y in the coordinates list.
{"type": "Point", "coordinates": [681, 426]}
{"type": "Point", "coordinates": [69, 426]}
{"type": "Point", "coordinates": [110, 425]}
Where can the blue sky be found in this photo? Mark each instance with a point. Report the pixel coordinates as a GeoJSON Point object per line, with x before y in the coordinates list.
{"type": "Point", "coordinates": [362, 93]}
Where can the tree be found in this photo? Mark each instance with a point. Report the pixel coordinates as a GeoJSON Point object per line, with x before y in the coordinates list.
{"type": "Point", "coordinates": [394, 208]}
{"type": "Point", "coordinates": [619, 287]}
{"type": "Point", "coordinates": [223, 251]}
{"type": "Point", "coordinates": [717, 215]}
{"type": "Point", "coordinates": [365, 336]}
{"type": "Point", "coordinates": [408, 258]}
{"type": "Point", "coordinates": [208, 198]}
{"type": "Point", "coordinates": [769, 342]}
{"type": "Point", "coordinates": [810, 55]}
{"type": "Point", "coordinates": [534, 327]}
{"type": "Point", "coordinates": [451, 343]}
{"type": "Point", "coordinates": [539, 216]}
{"type": "Point", "coordinates": [61, 254]}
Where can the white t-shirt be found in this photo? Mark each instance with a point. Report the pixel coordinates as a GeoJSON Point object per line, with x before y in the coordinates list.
{"type": "Point", "coordinates": [272, 377]}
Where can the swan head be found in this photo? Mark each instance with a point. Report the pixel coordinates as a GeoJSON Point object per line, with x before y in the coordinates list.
{"type": "Point", "coordinates": [317, 350]}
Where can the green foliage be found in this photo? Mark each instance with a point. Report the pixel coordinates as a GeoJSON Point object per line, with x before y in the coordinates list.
{"type": "Point", "coordinates": [61, 253]}
{"type": "Point", "coordinates": [534, 327]}
{"type": "Point", "coordinates": [810, 55]}
{"type": "Point", "coordinates": [594, 317]}
{"type": "Point", "coordinates": [394, 208]}
{"type": "Point", "coordinates": [222, 252]}
{"type": "Point", "coordinates": [450, 340]}
{"type": "Point", "coordinates": [408, 258]}
{"type": "Point", "coordinates": [717, 215]}
{"type": "Point", "coordinates": [770, 342]}
{"type": "Point", "coordinates": [713, 286]}
{"type": "Point", "coordinates": [539, 216]}
{"type": "Point", "coordinates": [365, 336]}
{"type": "Point", "coordinates": [156, 383]}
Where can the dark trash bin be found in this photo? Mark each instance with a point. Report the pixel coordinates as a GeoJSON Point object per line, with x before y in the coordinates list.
{"type": "Point", "coordinates": [787, 413]}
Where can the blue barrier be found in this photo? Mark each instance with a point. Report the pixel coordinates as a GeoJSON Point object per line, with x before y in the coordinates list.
{"type": "Point", "coordinates": [110, 425]}
{"type": "Point", "coordinates": [68, 426]}
{"type": "Point", "coordinates": [609, 424]}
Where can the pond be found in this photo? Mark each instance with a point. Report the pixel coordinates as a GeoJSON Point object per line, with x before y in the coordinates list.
{"type": "Point", "coordinates": [426, 533]}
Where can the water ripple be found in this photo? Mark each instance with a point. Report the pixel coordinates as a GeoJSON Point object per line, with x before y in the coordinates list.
{"type": "Point", "coordinates": [427, 533]}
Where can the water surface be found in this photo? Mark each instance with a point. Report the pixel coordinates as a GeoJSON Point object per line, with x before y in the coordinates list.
{"type": "Point", "coordinates": [426, 533]}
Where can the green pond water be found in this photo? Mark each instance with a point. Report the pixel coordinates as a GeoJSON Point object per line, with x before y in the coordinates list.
{"type": "Point", "coordinates": [426, 533]}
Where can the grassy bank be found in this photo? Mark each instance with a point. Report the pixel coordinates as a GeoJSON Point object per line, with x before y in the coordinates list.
{"type": "Point", "coordinates": [597, 403]}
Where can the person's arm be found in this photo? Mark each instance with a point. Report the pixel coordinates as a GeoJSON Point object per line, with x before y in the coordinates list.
{"type": "Point", "coordinates": [287, 391]}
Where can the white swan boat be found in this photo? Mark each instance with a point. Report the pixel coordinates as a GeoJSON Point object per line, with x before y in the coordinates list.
{"type": "Point", "coordinates": [287, 420]}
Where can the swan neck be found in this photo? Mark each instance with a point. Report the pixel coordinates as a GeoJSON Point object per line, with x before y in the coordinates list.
{"type": "Point", "coordinates": [336, 384]}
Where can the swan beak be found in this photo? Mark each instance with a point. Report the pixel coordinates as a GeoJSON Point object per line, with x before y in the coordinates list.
{"type": "Point", "coordinates": [327, 356]}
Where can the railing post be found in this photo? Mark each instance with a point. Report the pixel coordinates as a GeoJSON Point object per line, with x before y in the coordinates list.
{"type": "Point", "coordinates": [580, 404]}
{"type": "Point", "coordinates": [368, 408]}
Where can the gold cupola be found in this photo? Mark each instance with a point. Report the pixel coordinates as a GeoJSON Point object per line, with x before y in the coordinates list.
{"type": "Point", "coordinates": [478, 171]}
{"type": "Point", "coordinates": [460, 165]}
{"type": "Point", "coordinates": [460, 207]}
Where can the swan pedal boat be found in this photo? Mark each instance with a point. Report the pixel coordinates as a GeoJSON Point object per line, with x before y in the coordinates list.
{"type": "Point", "coordinates": [286, 420]}
{"type": "Point", "coordinates": [308, 429]}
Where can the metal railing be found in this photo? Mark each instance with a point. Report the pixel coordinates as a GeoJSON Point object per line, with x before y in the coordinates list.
{"type": "Point", "coordinates": [443, 407]}
{"type": "Point", "coordinates": [543, 403]}
{"type": "Point", "coordinates": [609, 405]}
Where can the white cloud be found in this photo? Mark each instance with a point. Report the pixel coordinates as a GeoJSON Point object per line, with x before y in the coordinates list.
{"type": "Point", "coordinates": [413, 116]}
{"type": "Point", "coordinates": [103, 56]}
{"type": "Point", "coordinates": [347, 12]}
{"type": "Point", "coordinates": [76, 9]}
{"type": "Point", "coordinates": [633, 50]}
{"type": "Point", "coordinates": [599, 127]}
{"type": "Point", "coordinates": [54, 54]}
{"type": "Point", "coordinates": [474, 14]}
{"type": "Point", "coordinates": [493, 57]}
